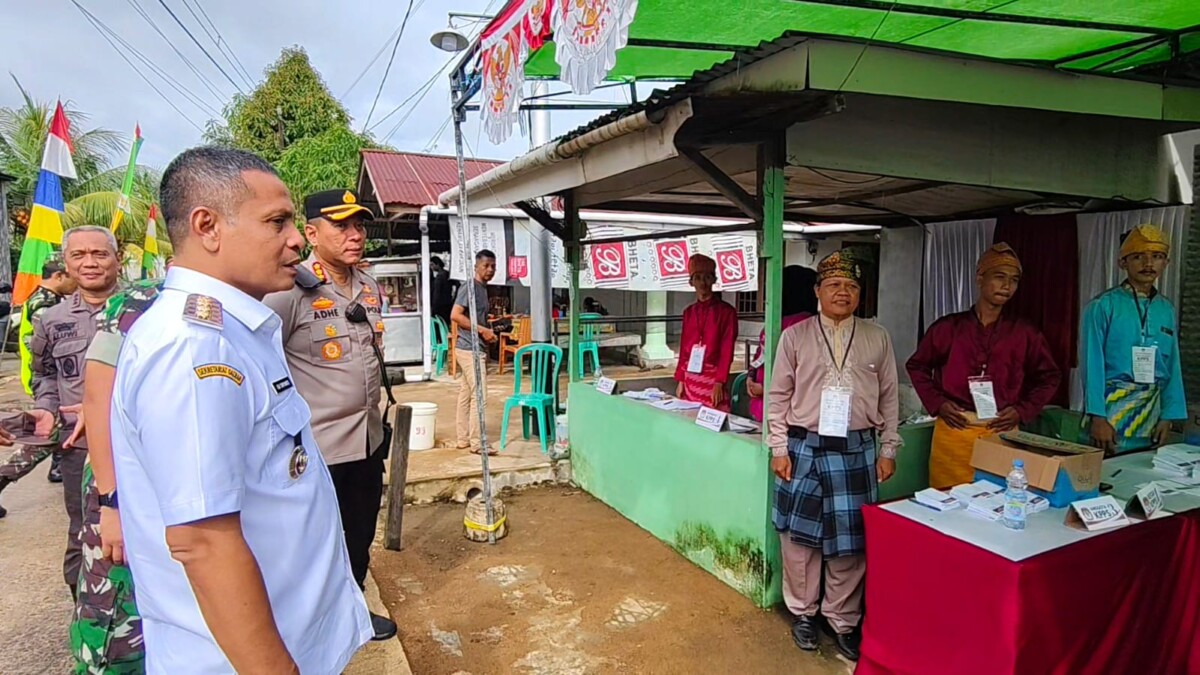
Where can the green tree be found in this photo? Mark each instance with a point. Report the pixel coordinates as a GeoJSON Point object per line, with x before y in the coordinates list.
{"type": "Point", "coordinates": [290, 105]}
{"type": "Point", "coordinates": [328, 160]}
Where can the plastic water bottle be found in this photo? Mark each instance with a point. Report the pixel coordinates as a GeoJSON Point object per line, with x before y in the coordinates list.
{"type": "Point", "coordinates": [1016, 499]}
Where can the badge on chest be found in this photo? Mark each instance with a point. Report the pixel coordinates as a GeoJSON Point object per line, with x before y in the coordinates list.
{"type": "Point", "coordinates": [297, 462]}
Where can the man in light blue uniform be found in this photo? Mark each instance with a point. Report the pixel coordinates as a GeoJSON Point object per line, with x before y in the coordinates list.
{"type": "Point", "coordinates": [1132, 377]}
{"type": "Point", "coordinates": [230, 519]}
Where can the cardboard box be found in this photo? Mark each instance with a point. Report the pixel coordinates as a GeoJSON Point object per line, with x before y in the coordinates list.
{"type": "Point", "coordinates": [1060, 471]}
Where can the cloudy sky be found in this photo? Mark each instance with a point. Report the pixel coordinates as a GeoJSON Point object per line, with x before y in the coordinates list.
{"type": "Point", "coordinates": [56, 52]}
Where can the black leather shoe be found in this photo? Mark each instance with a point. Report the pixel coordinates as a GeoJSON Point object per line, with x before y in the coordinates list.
{"type": "Point", "coordinates": [385, 628]}
{"type": "Point", "coordinates": [3, 512]}
{"type": "Point", "coordinates": [847, 644]}
{"type": "Point", "coordinates": [55, 474]}
{"type": "Point", "coordinates": [804, 633]}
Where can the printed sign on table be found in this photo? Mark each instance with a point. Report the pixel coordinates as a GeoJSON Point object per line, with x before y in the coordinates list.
{"type": "Point", "coordinates": [713, 420]}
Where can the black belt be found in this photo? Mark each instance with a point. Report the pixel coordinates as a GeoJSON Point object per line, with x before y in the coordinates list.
{"type": "Point", "coordinates": [832, 442]}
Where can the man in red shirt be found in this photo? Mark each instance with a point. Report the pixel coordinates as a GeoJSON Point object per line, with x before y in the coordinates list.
{"type": "Point", "coordinates": [981, 371]}
{"type": "Point", "coordinates": [706, 346]}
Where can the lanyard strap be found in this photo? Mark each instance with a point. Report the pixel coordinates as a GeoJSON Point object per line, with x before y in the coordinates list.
{"type": "Point", "coordinates": [828, 345]}
{"type": "Point", "coordinates": [991, 340]}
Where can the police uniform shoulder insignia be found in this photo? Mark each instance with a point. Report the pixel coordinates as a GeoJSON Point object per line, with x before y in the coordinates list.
{"type": "Point", "coordinates": [204, 310]}
{"type": "Point", "coordinates": [319, 271]}
{"type": "Point", "coordinates": [305, 279]}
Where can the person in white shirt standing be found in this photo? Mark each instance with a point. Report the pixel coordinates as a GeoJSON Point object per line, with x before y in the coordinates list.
{"type": "Point", "coordinates": [229, 514]}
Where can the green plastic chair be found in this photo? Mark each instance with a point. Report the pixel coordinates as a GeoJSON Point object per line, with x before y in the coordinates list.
{"type": "Point", "coordinates": [544, 364]}
{"type": "Point", "coordinates": [439, 338]}
{"type": "Point", "coordinates": [588, 344]}
{"type": "Point", "coordinates": [739, 396]}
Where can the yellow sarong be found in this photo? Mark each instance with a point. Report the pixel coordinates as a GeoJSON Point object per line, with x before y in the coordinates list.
{"type": "Point", "coordinates": [950, 452]}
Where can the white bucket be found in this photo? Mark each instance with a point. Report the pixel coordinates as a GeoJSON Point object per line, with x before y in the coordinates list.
{"type": "Point", "coordinates": [424, 424]}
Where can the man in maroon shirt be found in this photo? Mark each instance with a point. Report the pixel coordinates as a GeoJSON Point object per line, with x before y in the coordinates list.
{"type": "Point", "coordinates": [981, 371]}
{"type": "Point", "coordinates": [706, 346]}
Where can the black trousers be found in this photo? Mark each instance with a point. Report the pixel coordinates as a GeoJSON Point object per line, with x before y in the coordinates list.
{"type": "Point", "coordinates": [359, 487]}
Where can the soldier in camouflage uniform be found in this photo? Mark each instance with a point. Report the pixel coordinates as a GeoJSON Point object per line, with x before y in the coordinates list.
{"type": "Point", "coordinates": [55, 285]}
{"type": "Point", "coordinates": [106, 633]}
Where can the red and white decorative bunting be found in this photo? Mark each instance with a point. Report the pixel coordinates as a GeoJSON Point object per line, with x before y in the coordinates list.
{"type": "Point", "coordinates": [587, 34]}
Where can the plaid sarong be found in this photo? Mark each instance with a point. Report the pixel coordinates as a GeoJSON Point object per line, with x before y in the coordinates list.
{"type": "Point", "coordinates": [821, 507]}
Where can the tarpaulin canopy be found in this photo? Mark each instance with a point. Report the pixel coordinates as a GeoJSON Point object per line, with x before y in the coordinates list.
{"type": "Point", "coordinates": [671, 39]}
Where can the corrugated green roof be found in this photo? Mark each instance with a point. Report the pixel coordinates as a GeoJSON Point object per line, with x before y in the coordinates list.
{"type": "Point", "coordinates": [671, 39]}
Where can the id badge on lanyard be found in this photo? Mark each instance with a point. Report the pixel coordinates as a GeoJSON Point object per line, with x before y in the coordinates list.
{"type": "Point", "coordinates": [1144, 358]}
{"type": "Point", "coordinates": [984, 396]}
{"type": "Point", "coordinates": [835, 412]}
{"type": "Point", "coordinates": [1145, 355]}
{"type": "Point", "coordinates": [696, 360]}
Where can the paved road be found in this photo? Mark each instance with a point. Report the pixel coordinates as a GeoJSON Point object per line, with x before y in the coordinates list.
{"type": "Point", "coordinates": [35, 605]}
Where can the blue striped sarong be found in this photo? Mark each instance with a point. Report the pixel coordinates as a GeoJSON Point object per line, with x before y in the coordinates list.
{"type": "Point", "coordinates": [1133, 410]}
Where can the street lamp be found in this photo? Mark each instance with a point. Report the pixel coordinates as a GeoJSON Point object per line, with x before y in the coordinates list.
{"type": "Point", "coordinates": [449, 40]}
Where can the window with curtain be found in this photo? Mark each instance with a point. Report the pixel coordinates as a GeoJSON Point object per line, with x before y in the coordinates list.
{"type": "Point", "coordinates": [951, 251]}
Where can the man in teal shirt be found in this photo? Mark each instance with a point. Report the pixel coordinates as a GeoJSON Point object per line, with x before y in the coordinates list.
{"type": "Point", "coordinates": [1132, 378]}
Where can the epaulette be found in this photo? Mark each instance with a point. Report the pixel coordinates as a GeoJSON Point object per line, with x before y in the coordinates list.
{"type": "Point", "coordinates": [305, 279]}
{"type": "Point", "coordinates": [318, 271]}
{"type": "Point", "coordinates": [204, 310]}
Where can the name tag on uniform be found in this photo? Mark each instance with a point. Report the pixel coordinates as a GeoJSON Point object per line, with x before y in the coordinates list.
{"type": "Point", "coordinates": [984, 396]}
{"type": "Point", "coordinates": [696, 360]}
{"type": "Point", "coordinates": [1143, 364]}
{"type": "Point", "coordinates": [835, 412]}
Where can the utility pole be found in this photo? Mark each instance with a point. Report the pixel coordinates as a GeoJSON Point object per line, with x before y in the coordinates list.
{"type": "Point", "coordinates": [279, 137]}
{"type": "Point", "coordinates": [540, 284]}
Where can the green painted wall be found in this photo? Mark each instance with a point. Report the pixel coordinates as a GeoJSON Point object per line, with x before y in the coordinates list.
{"type": "Point", "coordinates": [705, 494]}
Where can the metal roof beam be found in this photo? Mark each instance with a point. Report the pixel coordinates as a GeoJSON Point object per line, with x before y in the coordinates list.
{"type": "Point", "coordinates": [543, 218]}
{"type": "Point", "coordinates": [968, 15]}
{"type": "Point", "coordinates": [865, 195]}
{"type": "Point", "coordinates": [722, 183]}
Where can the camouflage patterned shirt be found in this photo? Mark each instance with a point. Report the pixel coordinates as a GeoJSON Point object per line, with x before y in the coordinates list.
{"type": "Point", "coordinates": [118, 316]}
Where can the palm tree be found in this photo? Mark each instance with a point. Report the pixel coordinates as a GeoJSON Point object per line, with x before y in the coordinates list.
{"type": "Point", "coordinates": [92, 197]}
{"type": "Point", "coordinates": [23, 133]}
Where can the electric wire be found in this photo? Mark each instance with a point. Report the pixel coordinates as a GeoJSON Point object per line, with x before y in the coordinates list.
{"type": "Point", "coordinates": [200, 46]}
{"type": "Point", "coordinates": [141, 11]}
{"type": "Point", "coordinates": [391, 60]}
{"type": "Point", "coordinates": [217, 40]}
{"type": "Point", "coordinates": [222, 40]}
{"type": "Point", "coordinates": [108, 32]}
{"type": "Point", "coordinates": [92, 20]}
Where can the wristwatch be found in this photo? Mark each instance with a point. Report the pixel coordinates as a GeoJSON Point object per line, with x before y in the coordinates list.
{"type": "Point", "coordinates": [109, 500]}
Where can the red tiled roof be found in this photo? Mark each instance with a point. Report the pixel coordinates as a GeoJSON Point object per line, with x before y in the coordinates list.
{"type": "Point", "coordinates": [412, 179]}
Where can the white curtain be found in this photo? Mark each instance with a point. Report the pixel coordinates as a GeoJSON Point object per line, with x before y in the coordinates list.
{"type": "Point", "coordinates": [1099, 243]}
{"type": "Point", "coordinates": [951, 251]}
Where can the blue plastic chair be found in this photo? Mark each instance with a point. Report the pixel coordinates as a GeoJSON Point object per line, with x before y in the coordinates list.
{"type": "Point", "coordinates": [439, 340]}
{"type": "Point", "coordinates": [588, 344]}
{"type": "Point", "coordinates": [545, 362]}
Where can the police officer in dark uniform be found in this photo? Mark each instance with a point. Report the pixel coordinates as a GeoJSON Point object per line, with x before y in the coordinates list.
{"type": "Point", "coordinates": [332, 334]}
{"type": "Point", "coordinates": [61, 335]}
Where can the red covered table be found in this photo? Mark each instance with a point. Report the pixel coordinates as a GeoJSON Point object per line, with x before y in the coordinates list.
{"type": "Point", "coordinates": [1123, 601]}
